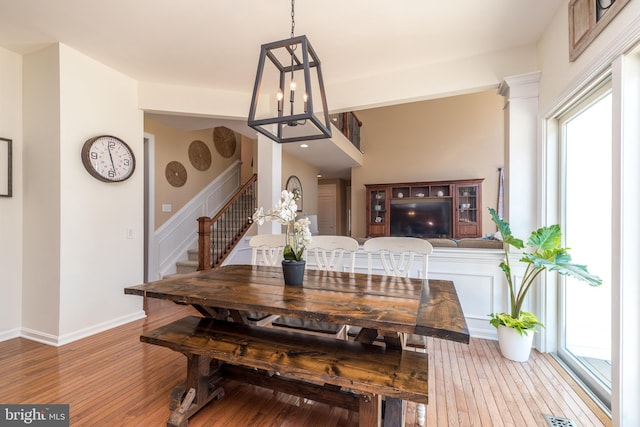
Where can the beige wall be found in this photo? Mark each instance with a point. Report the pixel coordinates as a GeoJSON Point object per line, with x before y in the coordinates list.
{"type": "Point", "coordinates": [459, 137]}
{"type": "Point", "coordinates": [173, 145]}
{"type": "Point", "coordinates": [248, 155]}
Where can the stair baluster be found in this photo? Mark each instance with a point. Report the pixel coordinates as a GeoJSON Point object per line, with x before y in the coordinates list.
{"type": "Point", "coordinates": [218, 235]}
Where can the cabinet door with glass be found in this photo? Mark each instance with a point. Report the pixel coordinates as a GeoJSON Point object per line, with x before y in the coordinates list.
{"type": "Point", "coordinates": [377, 211]}
{"type": "Point", "coordinates": [468, 216]}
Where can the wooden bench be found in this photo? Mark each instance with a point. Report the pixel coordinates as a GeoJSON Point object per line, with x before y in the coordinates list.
{"type": "Point", "coordinates": [341, 373]}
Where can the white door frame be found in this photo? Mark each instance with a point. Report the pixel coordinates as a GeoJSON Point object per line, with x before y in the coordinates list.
{"type": "Point", "coordinates": [150, 259]}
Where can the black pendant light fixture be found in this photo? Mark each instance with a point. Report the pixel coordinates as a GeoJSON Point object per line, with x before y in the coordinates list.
{"type": "Point", "coordinates": [288, 83]}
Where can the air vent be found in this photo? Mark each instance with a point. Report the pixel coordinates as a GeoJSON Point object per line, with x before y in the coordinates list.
{"type": "Point", "coordinates": [559, 422]}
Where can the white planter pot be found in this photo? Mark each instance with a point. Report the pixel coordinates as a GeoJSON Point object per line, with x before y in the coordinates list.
{"type": "Point", "coordinates": [514, 346]}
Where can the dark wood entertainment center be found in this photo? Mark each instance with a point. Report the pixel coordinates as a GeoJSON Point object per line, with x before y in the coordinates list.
{"type": "Point", "coordinates": [434, 209]}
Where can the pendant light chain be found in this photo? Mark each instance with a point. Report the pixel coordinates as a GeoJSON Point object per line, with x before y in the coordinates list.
{"type": "Point", "coordinates": [293, 16]}
{"type": "Point", "coordinates": [293, 48]}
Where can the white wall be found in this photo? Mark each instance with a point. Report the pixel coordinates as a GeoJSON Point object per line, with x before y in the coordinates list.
{"type": "Point", "coordinates": [41, 163]}
{"type": "Point", "coordinates": [11, 207]}
{"type": "Point", "coordinates": [104, 260]}
{"type": "Point", "coordinates": [80, 258]}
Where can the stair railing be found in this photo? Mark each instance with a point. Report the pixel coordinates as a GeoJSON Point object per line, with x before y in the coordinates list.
{"type": "Point", "coordinates": [349, 124]}
{"type": "Point", "coordinates": [219, 234]}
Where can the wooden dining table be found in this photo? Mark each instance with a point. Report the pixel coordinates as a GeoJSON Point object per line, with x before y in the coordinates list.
{"type": "Point", "coordinates": [384, 307]}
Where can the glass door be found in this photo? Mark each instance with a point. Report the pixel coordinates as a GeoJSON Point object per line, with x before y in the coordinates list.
{"type": "Point", "coordinates": [467, 204]}
{"type": "Point", "coordinates": [586, 200]}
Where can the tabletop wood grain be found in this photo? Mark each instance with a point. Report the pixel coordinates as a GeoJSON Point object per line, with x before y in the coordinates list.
{"type": "Point", "coordinates": [385, 303]}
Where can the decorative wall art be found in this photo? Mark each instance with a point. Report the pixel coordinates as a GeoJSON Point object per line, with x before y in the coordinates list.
{"type": "Point", "coordinates": [199, 155]}
{"type": "Point", "coordinates": [6, 166]}
{"type": "Point", "coordinates": [293, 184]}
{"type": "Point", "coordinates": [176, 174]}
{"type": "Point", "coordinates": [224, 140]}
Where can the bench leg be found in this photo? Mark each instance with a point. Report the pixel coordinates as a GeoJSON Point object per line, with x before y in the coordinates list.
{"type": "Point", "coordinates": [394, 411]}
{"type": "Point", "coordinates": [201, 387]}
{"type": "Point", "coordinates": [370, 410]}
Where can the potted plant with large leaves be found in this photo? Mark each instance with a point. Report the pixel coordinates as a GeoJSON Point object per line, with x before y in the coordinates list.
{"type": "Point", "coordinates": [542, 252]}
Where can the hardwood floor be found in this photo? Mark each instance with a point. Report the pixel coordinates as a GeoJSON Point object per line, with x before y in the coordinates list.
{"type": "Point", "coordinates": [111, 379]}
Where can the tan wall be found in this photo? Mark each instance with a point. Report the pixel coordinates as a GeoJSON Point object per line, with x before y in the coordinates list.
{"type": "Point", "coordinates": [248, 155]}
{"type": "Point", "coordinates": [172, 144]}
{"type": "Point", "coordinates": [450, 138]}
{"type": "Point", "coordinates": [308, 176]}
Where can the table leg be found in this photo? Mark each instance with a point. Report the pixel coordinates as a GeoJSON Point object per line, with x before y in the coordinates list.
{"type": "Point", "coordinates": [394, 411]}
{"type": "Point", "coordinates": [201, 387]}
{"type": "Point", "coordinates": [370, 410]}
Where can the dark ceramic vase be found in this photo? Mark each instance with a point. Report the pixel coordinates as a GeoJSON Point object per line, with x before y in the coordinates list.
{"type": "Point", "coordinates": [293, 272]}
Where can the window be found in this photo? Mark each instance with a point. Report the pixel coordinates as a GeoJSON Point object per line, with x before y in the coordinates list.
{"type": "Point", "coordinates": [586, 214]}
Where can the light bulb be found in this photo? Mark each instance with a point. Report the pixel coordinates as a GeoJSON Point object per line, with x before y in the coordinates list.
{"type": "Point", "coordinates": [292, 92]}
{"type": "Point", "coordinates": [279, 97]}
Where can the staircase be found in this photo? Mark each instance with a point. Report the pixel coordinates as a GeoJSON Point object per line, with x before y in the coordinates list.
{"type": "Point", "coordinates": [190, 265]}
{"type": "Point", "coordinates": [219, 234]}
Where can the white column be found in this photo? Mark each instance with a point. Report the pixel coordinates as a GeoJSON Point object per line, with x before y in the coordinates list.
{"type": "Point", "coordinates": [521, 153]}
{"type": "Point", "coordinates": [521, 171]}
{"type": "Point", "coordinates": [269, 179]}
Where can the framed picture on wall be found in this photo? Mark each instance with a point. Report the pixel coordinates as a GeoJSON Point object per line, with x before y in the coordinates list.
{"type": "Point", "coordinates": [5, 167]}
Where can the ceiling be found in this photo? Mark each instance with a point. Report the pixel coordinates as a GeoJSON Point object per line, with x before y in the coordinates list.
{"type": "Point", "coordinates": [215, 44]}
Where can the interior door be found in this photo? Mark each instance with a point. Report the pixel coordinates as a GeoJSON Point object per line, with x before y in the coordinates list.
{"type": "Point", "coordinates": [327, 209]}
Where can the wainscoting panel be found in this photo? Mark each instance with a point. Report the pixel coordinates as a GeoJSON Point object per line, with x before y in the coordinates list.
{"type": "Point", "coordinates": [180, 233]}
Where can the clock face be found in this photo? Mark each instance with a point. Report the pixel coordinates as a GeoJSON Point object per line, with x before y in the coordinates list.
{"type": "Point", "coordinates": [108, 158]}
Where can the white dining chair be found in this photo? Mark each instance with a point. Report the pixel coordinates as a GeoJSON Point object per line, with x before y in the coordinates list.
{"type": "Point", "coordinates": [266, 249]}
{"type": "Point", "coordinates": [397, 256]}
{"type": "Point", "coordinates": [329, 253]}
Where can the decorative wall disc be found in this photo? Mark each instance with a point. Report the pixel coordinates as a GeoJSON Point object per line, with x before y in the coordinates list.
{"type": "Point", "coordinates": [225, 141]}
{"type": "Point", "coordinates": [199, 155]}
{"type": "Point", "coordinates": [175, 173]}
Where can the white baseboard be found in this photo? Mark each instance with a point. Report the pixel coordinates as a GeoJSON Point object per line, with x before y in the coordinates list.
{"type": "Point", "coordinates": [57, 341]}
{"type": "Point", "coordinates": [9, 334]}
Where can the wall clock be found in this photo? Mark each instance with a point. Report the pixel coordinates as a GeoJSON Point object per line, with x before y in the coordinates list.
{"type": "Point", "coordinates": [108, 158]}
{"type": "Point", "coordinates": [293, 183]}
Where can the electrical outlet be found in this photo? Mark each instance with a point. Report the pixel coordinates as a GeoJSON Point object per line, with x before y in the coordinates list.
{"type": "Point", "coordinates": [130, 234]}
{"type": "Point", "coordinates": [166, 207]}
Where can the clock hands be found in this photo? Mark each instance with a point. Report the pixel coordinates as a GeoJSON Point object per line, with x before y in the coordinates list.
{"type": "Point", "coordinates": [111, 157]}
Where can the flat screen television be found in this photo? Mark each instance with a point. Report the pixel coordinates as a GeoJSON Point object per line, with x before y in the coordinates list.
{"type": "Point", "coordinates": [421, 218]}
